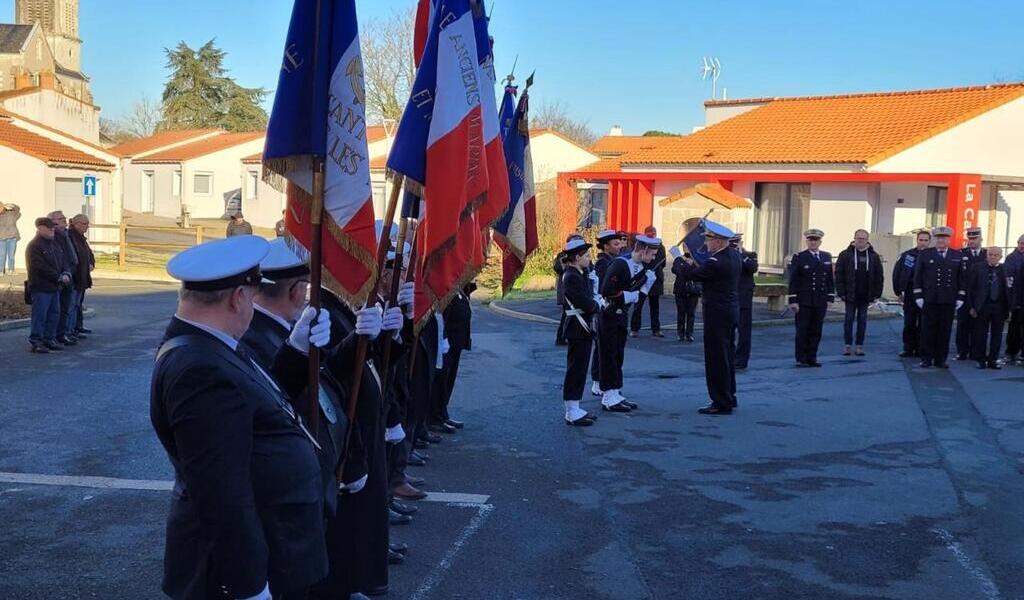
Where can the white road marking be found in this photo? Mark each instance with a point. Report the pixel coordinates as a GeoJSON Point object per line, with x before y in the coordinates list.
{"type": "Point", "coordinates": [456, 498]}
{"type": "Point", "coordinates": [108, 483]}
{"type": "Point", "coordinates": [987, 585]}
{"type": "Point", "coordinates": [437, 573]}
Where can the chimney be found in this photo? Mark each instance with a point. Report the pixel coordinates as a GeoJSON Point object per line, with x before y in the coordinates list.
{"type": "Point", "coordinates": [616, 131]}
{"type": "Point", "coordinates": [22, 81]}
{"type": "Point", "coordinates": [47, 81]}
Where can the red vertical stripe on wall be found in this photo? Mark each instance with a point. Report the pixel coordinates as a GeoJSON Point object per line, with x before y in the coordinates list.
{"type": "Point", "coordinates": [963, 206]}
{"type": "Point", "coordinates": [645, 205]}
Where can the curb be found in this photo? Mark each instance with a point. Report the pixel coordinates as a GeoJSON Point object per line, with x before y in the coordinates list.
{"type": "Point", "coordinates": [118, 276]}
{"type": "Point", "coordinates": [26, 323]}
{"type": "Point", "coordinates": [524, 316]}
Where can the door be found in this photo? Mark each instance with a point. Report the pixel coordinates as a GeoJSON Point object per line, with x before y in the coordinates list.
{"type": "Point", "coordinates": [148, 192]}
{"type": "Point", "coordinates": [68, 196]}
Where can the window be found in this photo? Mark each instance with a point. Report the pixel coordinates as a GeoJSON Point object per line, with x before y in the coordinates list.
{"type": "Point", "coordinates": [935, 209]}
{"type": "Point", "coordinates": [176, 184]}
{"type": "Point", "coordinates": [782, 218]}
{"type": "Point", "coordinates": [252, 185]}
{"type": "Point", "coordinates": [202, 184]}
{"type": "Point", "coordinates": [592, 206]}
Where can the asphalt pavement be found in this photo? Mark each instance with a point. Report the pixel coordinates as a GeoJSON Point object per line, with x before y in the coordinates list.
{"type": "Point", "coordinates": [867, 478]}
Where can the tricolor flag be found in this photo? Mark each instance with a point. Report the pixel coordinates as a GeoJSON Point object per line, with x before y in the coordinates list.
{"type": "Point", "coordinates": [516, 231]}
{"type": "Point", "coordinates": [497, 199]}
{"type": "Point", "coordinates": [440, 150]}
{"type": "Point", "coordinates": [696, 243]}
{"type": "Point", "coordinates": [424, 14]}
{"type": "Point", "coordinates": [319, 112]}
{"type": "Point", "coordinates": [507, 111]}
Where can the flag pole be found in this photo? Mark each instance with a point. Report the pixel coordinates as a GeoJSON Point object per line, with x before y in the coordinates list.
{"type": "Point", "coordinates": [315, 277]}
{"type": "Point", "coordinates": [392, 299]}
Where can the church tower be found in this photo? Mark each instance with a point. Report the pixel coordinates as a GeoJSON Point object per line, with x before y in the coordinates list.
{"type": "Point", "coordinates": [59, 22]}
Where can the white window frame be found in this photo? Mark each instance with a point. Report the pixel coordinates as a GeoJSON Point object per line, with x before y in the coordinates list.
{"type": "Point", "coordinates": [176, 185]}
{"type": "Point", "coordinates": [252, 185]}
{"type": "Point", "coordinates": [195, 191]}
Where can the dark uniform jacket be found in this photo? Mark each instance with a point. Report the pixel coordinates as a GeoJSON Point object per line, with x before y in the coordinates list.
{"type": "Point", "coordinates": [559, 269]}
{"type": "Point", "coordinates": [720, 277]}
{"type": "Point", "coordinates": [1014, 267]}
{"type": "Point", "coordinates": [903, 273]}
{"type": "Point", "coordinates": [657, 265]}
{"type": "Point", "coordinates": [81, 276]}
{"type": "Point", "coordinates": [601, 265]}
{"type": "Point", "coordinates": [974, 256]}
{"type": "Point", "coordinates": [811, 282]}
{"type": "Point", "coordinates": [684, 286]}
{"type": "Point", "coordinates": [44, 263]}
{"type": "Point", "coordinates": [618, 278]}
{"type": "Point", "coordinates": [940, 280]}
{"type": "Point", "coordinates": [580, 292]}
{"type": "Point", "coordinates": [247, 505]}
{"type": "Point", "coordinates": [979, 287]}
{"type": "Point", "coordinates": [458, 318]}
{"type": "Point", "coordinates": [748, 262]}
{"type": "Point", "coordinates": [846, 274]}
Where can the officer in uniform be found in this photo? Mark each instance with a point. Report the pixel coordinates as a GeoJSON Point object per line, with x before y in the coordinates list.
{"type": "Point", "coordinates": [624, 279]}
{"type": "Point", "coordinates": [580, 308]}
{"type": "Point", "coordinates": [988, 303]}
{"type": "Point", "coordinates": [748, 261]}
{"type": "Point", "coordinates": [720, 276]}
{"type": "Point", "coordinates": [247, 510]}
{"type": "Point", "coordinates": [939, 280]}
{"type": "Point", "coordinates": [811, 291]}
{"type": "Point", "coordinates": [903, 287]}
{"type": "Point", "coordinates": [609, 243]}
{"type": "Point", "coordinates": [973, 255]}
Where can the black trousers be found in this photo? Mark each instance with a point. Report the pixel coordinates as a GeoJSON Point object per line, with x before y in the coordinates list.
{"type": "Point", "coordinates": [911, 324]}
{"type": "Point", "coordinates": [988, 327]}
{"type": "Point", "coordinates": [636, 320]}
{"type": "Point", "coordinates": [686, 312]}
{"type": "Point", "coordinates": [936, 329]}
{"type": "Point", "coordinates": [964, 331]}
{"type": "Point", "coordinates": [1015, 332]}
{"type": "Point", "coordinates": [613, 352]}
{"type": "Point", "coordinates": [595, 358]}
{"type": "Point", "coordinates": [809, 321]}
{"type": "Point", "coordinates": [560, 334]}
{"type": "Point", "coordinates": [744, 328]}
{"type": "Point", "coordinates": [576, 363]}
{"type": "Point", "coordinates": [720, 356]}
{"type": "Point", "coordinates": [444, 385]}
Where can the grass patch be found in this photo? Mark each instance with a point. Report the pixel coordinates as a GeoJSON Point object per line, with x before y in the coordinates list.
{"type": "Point", "coordinates": [12, 304]}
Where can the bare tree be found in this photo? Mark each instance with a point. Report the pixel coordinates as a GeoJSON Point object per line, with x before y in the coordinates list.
{"type": "Point", "coordinates": [388, 67]}
{"type": "Point", "coordinates": [141, 119]}
{"type": "Point", "coordinates": [554, 115]}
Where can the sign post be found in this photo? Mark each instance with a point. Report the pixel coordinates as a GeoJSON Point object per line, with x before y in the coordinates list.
{"type": "Point", "coordinates": [89, 191]}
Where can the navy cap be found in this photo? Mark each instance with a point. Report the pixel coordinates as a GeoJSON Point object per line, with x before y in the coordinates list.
{"type": "Point", "coordinates": [576, 246]}
{"type": "Point", "coordinates": [221, 264]}
{"type": "Point", "coordinates": [281, 262]}
{"type": "Point", "coordinates": [648, 241]}
{"type": "Point", "coordinates": [717, 230]}
{"type": "Point", "coordinates": [608, 235]}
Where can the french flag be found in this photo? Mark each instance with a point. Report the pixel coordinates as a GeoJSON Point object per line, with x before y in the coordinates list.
{"type": "Point", "coordinates": [516, 231]}
{"type": "Point", "coordinates": [440, 149]}
{"type": "Point", "coordinates": [497, 199]}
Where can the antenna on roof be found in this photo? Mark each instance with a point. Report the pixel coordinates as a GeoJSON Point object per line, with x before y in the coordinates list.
{"type": "Point", "coordinates": [711, 68]}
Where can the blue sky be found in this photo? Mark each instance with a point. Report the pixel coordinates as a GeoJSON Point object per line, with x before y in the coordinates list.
{"type": "Point", "coordinates": [628, 63]}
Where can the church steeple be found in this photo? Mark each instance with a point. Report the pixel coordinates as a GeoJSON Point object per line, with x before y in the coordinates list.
{"type": "Point", "coordinates": [59, 22]}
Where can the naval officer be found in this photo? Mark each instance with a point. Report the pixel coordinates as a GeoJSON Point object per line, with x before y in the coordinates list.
{"type": "Point", "coordinates": [940, 280]}
{"type": "Point", "coordinates": [811, 290]}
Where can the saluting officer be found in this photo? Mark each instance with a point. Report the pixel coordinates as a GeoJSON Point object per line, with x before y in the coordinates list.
{"type": "Point", "coordinates": [939, 279]}
{"type": "Point", "coordinates": [580, 307]}
{"type": "Point", "coordinates": [247, 511]}
{"type": "Point", "coordinates": [720, 277]}
{"type": "Point", "coordinates": [811, 291]}
{"type": "Point", "coordinates": [748, 261]}
{"type": "Point", "coordinates": [973, 255]}
{"type": "Point", "coordinates": [609, 243]}
{"type": "Point", "coordinates": [903, 287]}
{"type": "Point", "coordinates": [623, 282]}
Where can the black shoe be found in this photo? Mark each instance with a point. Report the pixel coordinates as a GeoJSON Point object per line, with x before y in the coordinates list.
{"type": "Point", "coordinates": [689, 338]}
{"type": "Point", "coordinates": [925, 364]}
{"type": "Point", "coordinates": [961, 357]}
{"type": "Point", "coordinates": [395, 558]}
{"type": "Point", "coordinates": [741, 366]}
{"type": "Point", "coordinates": [631, 405]}
{"type": "Point", "coordinates": [402, 508]}
{"type": "Point", "coordinates": [813, 363]}
{"type": "Point", "coordinates": [620, 408]}
{"type": "Point", "coordinates": [908, 353]}
{"type": "Point", "coordinates": [442, 428]}
{"type": "Point", "coordinates": [802, 364]}
{"type": "Point", "coordinates": [420, 455]}
{"type": "Point", "coordinates": [982, 365]}
{"type": "Point", "coordinates": [942, 365]}
{"type": "Point", "coordinates": [584, 421]}
{"type": "Point", "coordinates": [433, 438]}
{"type": "Point", "coordinates": [634, 333]}
{"type": "Point", "coordinates": [39, 348]}
{"type": "Point", "coordinates": [415, 481]}
{"type": "Point", "coordinates": [455, 424]}
{"type": "Point", "coordinates": [84, 330]}
{"type": "Point", "coordinates": [400, 548]}
{"type": "Point", "coordinates": [397, 519]}
{"type": "Point", "coordinates": [421, 444]}
{"type": "Point", "coordinates": [711, 409]}
{"type": "Point", "coordinates": [67, 340]}
{"type": "Point", "coordinates": [377, 591]}
{"type": "Point", "coordinates": [53, 346]}
{"type": "Point", "coordinates": [658, 334]}
{"type": "Point", "coordinates": [416, 460]}
{"type": "Point", "coordinates": [995, 365]}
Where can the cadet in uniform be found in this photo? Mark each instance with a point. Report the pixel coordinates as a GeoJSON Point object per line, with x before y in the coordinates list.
{"type": "Point", "coordinates": [720, 277]}
{"type": "Point", "coordinates": [609, 244]}
{"type": "Point", "coordinates": [973, 254]}
{"type": "Point", "coordinates": [811, 291]}
{"type": "Point", "coordinates": [653, 297]}
{"type": "Point", "coordinates": [748, 261]}
{"type": "Point", "coordinates": [580, 308]}
{"type": "Point", "coordinates": [988, 303]}
{"type": "Point", "coordinates": [939, 292]}
{"type": "Point", "coordinates": [621, 285]}
{"type": "Point", "coordinates": [558, 268]}
{"type": "Point", "coordinates": [247, 511]}
{"type": "Point", "coordinates": [903, 287]}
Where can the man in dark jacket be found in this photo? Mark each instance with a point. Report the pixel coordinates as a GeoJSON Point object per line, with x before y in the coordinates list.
{"type": "Point", "coordinates": [458, 321]}
{"type": "Point", "coordinates": [939, 279]}
{"type": "Point", "coordinates": [687, 294]}
{"type": "Point", "coordinates": [82, 276]}
{"type": "Point", "coordinates": [46, 277]}
{"type": "Point", "coordinates": [973, 254]}
{"type": "Point", "coordinates": [859, 283]}
{"type": "Point", "coordinates": [746, 296]}
{"type": "Point", "coordinates": [68, 294]}
{"type": "Point", "coordinates": [903, 287]}
{"type": "Point", "coordinates": [652, 298]}
{"type": "Point", "coordinates": [1014, 267]}
{"type": "Point", "coordinates": [988, 303]}
{"type": "Point", "coordinates": [811, 291]}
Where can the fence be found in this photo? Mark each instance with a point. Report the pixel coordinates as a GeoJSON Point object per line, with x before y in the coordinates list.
{"type": "Point", "coordinates": [178, 238]}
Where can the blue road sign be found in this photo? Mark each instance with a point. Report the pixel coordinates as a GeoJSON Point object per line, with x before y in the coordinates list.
{"type": "Point", "coordinates": [89, 185]}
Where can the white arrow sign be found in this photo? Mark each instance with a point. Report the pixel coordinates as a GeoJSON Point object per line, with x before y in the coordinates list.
{"type": "Point", "coordinates": [89, 185]}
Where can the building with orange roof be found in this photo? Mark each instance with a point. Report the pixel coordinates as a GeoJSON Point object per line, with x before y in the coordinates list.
{"type": "Point", "coordinates": [887, 162]}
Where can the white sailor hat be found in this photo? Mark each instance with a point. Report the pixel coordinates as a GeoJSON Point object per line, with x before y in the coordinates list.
{"type": "Point", "coordinates": [282, 262]}
{"type": "Point", "coordinates": [576, 246]}
{"type": "Point", "coordinates": [645, 240]}
{"type": "Point", "coordinates": [607, 235]}
{"type": "Point", "coordinates": [942, 231]}
{"type": "Point", "coordinates": [717, 230]}
{"type": "Point", "coordinates": [221, 264]}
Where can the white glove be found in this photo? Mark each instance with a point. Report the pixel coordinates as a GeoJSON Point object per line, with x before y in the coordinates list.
{"type": "Point", "coordinates": [959, 304]}
{"type": "Point", "coordinates": [369, 321]}
{"type": "Point", "coordinates": [595, 282]}
{"type": "Point", "coordinates": [393, 319]}
{"type": "Point", "coordinates": [649, 283]}
{"type": "Point", "coordinates": [355, 487]}
{"type": "Point", "coordinates": [593, 276]}
{"type": "Point", "coordinates": [601, 302]}
{"type": "Point", "coordinates": [303, 334]}
{"type": "Point", "coordinates": [264, 595]}
{"type": "Point", "coordinates": [919, 302]}
{"type": "Point", "coordinates": [393, 435]}
{"type": "Point", "coordinates": [675, 252]}
{"type": "Point", "coordinates": [445, 346]}
{"type": "Point", "coordinates": [407, 297]}
{"type": "Point", "coordinates": [630, 297]}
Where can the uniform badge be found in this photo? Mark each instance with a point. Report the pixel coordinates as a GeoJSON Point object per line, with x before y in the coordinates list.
{"type": "Point", "coordinates": [807, 266]}
{"type": "Point", "coordinates": [328, 407]}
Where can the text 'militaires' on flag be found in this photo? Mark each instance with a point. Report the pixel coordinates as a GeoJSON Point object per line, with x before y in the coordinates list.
{"type": "Point", "coordinates": [320, 112]}
{"type": "Point", "coordinates": [440, 149]}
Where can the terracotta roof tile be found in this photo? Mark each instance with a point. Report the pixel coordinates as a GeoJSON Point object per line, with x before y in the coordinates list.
{"type": "Point", "coordinates": [159, 140]}
{"type": "Point", "coordinates": [711, 191]}
{"type": "Point", "coordinates": [859, 128]}
{"type": "Point", "coordinates": [375, 133]}
{"type": "Point", "coordinates": [379, 163]}
{"type": "Point", "coordinates": [201, 147]}
{"type": "Point", "coordinates": [617, 145]}
{"type": "Point", "coordinates": [605, 165]}
{"type": "Point", "coordinates": [47, 150]}
{"type": "Point", "coordinates": [56, 131]}
{"type": "Point", "coordinates": [253, 159]}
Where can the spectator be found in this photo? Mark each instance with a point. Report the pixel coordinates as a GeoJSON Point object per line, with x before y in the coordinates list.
{"type": "Point", "coordinates": [1014, 267]}
{"type": "Point", "coordinates": [988, 304]}
{"type": "Point", "coordinates": [859, 282]}
{"type": "Point", "coordinates": [81, 277]}
{"type": "Point", "coordinates": [239, 226]}
{"type": "Point", "coordinates": [279, 227]}
{"type": "Point", "coordinates": [687, 293]}
{"type": "Point", "coordinates": [46, 277]}
{"type": "Point", "coordinates": [68, 305]}
{"type": "Point", "coordinates": [9, 236]}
